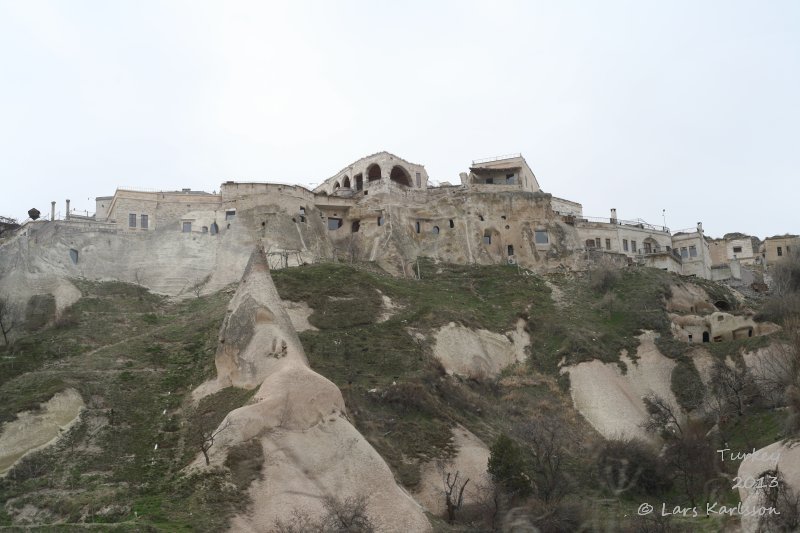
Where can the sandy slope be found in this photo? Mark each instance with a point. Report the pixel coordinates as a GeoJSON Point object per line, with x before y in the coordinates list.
{"type": "Point", "coordinates": [612, 402]}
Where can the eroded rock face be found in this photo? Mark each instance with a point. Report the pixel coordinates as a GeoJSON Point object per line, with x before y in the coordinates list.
{"type": "Point", "coordinates": [779, 456]}
{"type": "Point", "coordinates": [298, 417]}
{"type": "Point", "coordinates": [479, 353]}
{"type": "Point", "coordinates": [612, 401]}
{"type": "Point", "coordinates": [32, 430]}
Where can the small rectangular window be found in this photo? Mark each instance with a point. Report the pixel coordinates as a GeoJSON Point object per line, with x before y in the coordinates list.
{"type": "Point", "coordinates": [780, 251]}
{"type": "Point", "coordinates": [597, 242]}
{"type": "Point", "coordinates": [230, 214]}
{"type": "Point", "coordinates": [625, 244]}
{"type": "Point", "coordinates": [684, 252]}
{"type": "Point", "coordinates": [380, 221]}
{"type": "Point", "coordinates": [487, 237]}
{"type": "Point", "coordinates": [633, 246]}
{"type": "Point", "coordinates": [132, 220]}
{"type": "Point", "coordinates": [416, 226]}
{"type": "Point", "coordinates": [334, 223]}
{"type": "Point", "coordinates": [490, 180]}
{"type": "Point", "coordinates": [419, 180]}
{"type": "Point", "coordinates": [145, 222]}
{"type": "Point", "coordinates": [187, 227]}
{"type": "Point", "coordinates": [737, 249]}
{"type": "Point", "coordinates": [540, 237]}
{"type": "Point", "coordinates": [510, 250]}
{"type": "Point", "coordinates": [693, 251]}
{"type": "Point", "coordinates": [608, 244]}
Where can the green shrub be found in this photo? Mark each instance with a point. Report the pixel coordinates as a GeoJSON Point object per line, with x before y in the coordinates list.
{"type": "Point", "coordinates": [507, 466]}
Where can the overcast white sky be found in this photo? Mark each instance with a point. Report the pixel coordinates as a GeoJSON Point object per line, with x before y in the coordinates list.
{"type": "Point", "coordinates": [687, 106]}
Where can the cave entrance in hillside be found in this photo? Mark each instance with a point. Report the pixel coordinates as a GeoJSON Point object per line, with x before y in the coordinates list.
{"type": "Point", "coordinates": [722, 305]}
{"type": "Point", "coordinates": [400, 175]}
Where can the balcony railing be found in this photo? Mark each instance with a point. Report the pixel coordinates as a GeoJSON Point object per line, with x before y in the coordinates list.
{"type": "Point", "coordinates": [638, 223]}
{"type": "Point", "coordinates": [495, 158]}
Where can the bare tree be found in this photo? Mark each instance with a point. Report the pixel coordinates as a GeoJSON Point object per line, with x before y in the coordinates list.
{"type": "Point", "coordinates": [205, 437]}
{"type": "Point", "coordinates": [547, 440]}
{"type": "Point", "coordinates": [453, 493]}
{"type": "Point", "coordinates": [781, 497]}
{"type": "Point", "coordinates": [664, 419]}
{"type": "Point", "coordinates": [732, 387]}
{"type": "Point", "coordinates": [6, 319]}
{"type": "Point", "coordinates": [347, 515]}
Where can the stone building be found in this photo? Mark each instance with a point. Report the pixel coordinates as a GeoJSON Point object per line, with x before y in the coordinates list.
{"type": "Point", "coordinates": [381, 208]}
{"type": "Point", "coordinates": [373, 170]}
{"type": "Point", "coordinates": [779, 247]}
{"type": "Point", "coordinates": [734, 246]}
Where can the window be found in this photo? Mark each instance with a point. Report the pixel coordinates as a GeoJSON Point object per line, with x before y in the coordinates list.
{"type": "Point", "coordinates": [355, 226]}
{"type": "Point", "coordinates": [511, 179]}
{"type": "Point", "coordinates": [204, 229]}
{"type": "Point", "coordinates": [452, 225]}
{"type": "Point", "coordinates": [648, 247]}
{"type": "Point", "coordinates": [489, 180]}
{"type": "Point", "coordinates": [540, 237]}
{"type": "Point", "coordinates": [487, 237]}
{"type": "Point", "coordinates": [780, 251]}
{"type": "Point", "coordinates": [380, 221]}
{"type": "Point", "coordinates": [214, 228]}
{"type": "Point", "coordinates": [417, 226]}
{"type": "Point", "coordinates": [625, 244]}
{"type": "Point", "coordinates": [145, 222]}
{"type": "Point", "coordinates": [693, 251]}
{"type": "Point", "coordinates": [510, 250]}
{"type": "Point", "coordinates": [684, 252]}
{"type": "Point", "coordinates": [633, 246]}
{"type": "Point", "coordinates": [334, 223]}
{"type": "Point", "coordinates": [737, 249]}
{"type": "Point", "coordinates": [230, 214]}
{"type": "Point", "coordinates": [419, 180]}
{"type": "Point", "coordinates": [608, 244]}
{"type": "Point", "coordinates": [435, 230]}
{"type": "Point", "coordinates": [187, 227]}
{"type": "Point", "coordinates": [597, 242]}
{"type": "Point", "coordinates": [132, 220]}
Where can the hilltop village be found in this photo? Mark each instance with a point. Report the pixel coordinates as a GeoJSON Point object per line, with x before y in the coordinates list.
{"type": "Point", "coordinates": [382, 208]}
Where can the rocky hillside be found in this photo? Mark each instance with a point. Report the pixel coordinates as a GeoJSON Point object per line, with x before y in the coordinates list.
{"type": "Point", "coordinates": [331, 394]}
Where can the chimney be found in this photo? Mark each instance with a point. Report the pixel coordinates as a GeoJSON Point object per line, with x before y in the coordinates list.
{"type": "Point", "coordinates": [613, 215]}
{"type": "Point", "coordinates": [53, 210]}
{"type": "Point", "coordinates": [67, 217]}
{"type": "Point", "coordinates": [700, 228]}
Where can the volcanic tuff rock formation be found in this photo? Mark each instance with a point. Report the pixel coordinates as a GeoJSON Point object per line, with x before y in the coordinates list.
{"type": "Point", "coordinates": [311, 450]}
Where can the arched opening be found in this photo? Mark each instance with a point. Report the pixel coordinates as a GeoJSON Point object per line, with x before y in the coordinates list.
{"type": "Point", "coordinates": [374, 172]}
{"type": "Point", "coordinates": [435, 230]}
{"type": "Point", "coordinates": [651, 246]}
{"type": "Point", "coordinates": [705, 336]}
{"type": "Point", "coordinates": [346, 182]}
{"type": "Point", "coordinates": [214, 228]}
{"type": "Point", "coordinates": [336, 186]}
{"type": "Point", "coordinates": [359, 179]}
{"type": "Point", "coordinates": [400, 175]}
